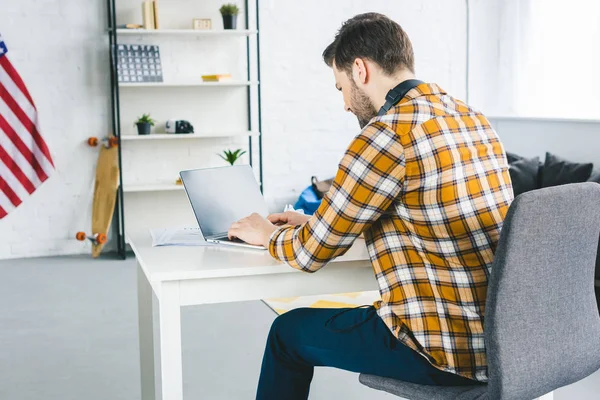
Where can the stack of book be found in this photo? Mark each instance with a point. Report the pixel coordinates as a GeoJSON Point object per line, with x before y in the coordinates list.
{"type": "Point", "coordinates": [150, 14]}
{"type": "Point", "coordinates": [216, 78]}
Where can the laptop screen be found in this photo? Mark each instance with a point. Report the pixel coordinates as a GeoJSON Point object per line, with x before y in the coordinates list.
{"type": "Point", "coordinates": [222, 196]}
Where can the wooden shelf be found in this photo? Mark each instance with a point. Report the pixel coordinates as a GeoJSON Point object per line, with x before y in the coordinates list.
{"type": "Point", "coordinates": [155, 187]}
{"type": "Point", "coordinates": [176, 136]}
{"type": "Point", "coordinates": [186, 32]}
{"type": "Point", "coordinates": [186, 84]}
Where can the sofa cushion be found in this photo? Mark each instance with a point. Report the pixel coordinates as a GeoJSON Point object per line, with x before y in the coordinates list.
{"type": "Point", "coordinates": [558, 171]}
{"type": "Point", "coordinates": [524, 174]}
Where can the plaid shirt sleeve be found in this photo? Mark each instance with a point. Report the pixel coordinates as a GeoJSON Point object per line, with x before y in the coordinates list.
{"type": "Point", "coordinates": [369, 178]}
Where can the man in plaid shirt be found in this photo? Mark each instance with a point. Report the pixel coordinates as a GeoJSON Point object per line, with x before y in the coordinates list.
{"type": "Point", "coordinates": [426, 181]}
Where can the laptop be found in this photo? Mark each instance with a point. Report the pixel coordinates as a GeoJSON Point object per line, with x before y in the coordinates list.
{"type": "Point", "coordinates": [222, 196]}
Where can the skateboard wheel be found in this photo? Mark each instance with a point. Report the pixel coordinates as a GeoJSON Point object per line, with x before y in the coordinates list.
{"type": "Point", "coordinates": [113, 141]}
{"type": "Point", "coordinates": [101, 238]}
{"type": "Point", "coordinates": [93, 141]}
{"type": "Point", "coordinates": [81, 236]}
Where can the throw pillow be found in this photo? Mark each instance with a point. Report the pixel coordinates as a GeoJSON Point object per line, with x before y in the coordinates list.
{"type": "Point", "coordinates": [524, 175]}
{"type": "Point", "coordinates": [558, 171]}
{"type": "Point", "coordinates": [512, 157]}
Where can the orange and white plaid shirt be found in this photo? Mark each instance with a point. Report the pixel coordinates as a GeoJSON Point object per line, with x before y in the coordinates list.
{"type": "Point", "coordinates": [428, 185]}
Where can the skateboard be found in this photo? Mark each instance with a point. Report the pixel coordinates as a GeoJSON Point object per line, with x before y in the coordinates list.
{"type": "Point", "coordinates": [105, 192]}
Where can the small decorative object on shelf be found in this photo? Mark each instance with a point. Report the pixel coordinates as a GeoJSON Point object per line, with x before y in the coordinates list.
{"type": "Point", "coordinates": [178, 126]}
{"type": "Point", "coordinates": [202, 24]}
{"type": "Point", "coordinates": [232, 156]}
{"type": "Point", "coordinates": [144, 123]}
{"type": "Point", "coordinates": [139, 63]}
{"type": "Point", "coordinates": [229, 12]}
{"type": "Point", "coordinates": [179, 181]}
{"type": "Point", "coordinates": [217, 78]}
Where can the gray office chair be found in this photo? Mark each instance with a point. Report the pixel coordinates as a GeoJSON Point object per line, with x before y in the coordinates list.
{"type": "Point", "coordinates": [542, 327]}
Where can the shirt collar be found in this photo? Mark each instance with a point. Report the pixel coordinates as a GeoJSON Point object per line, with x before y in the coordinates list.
{"type": "Point", "coordinates": [423, 89]}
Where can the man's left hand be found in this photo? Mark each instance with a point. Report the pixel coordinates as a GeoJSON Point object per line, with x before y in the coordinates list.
{"type": "Point", "coordinates": [253, 229]}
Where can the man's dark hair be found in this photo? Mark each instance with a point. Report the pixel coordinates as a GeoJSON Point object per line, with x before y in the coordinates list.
{"type": "Point", "coordinates": [372, 36]}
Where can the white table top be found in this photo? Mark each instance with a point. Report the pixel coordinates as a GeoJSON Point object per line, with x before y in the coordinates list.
{"type": "Point", "coordinates": [169, 263]}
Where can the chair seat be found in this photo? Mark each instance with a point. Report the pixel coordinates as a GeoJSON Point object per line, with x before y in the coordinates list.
{"type": "Point", "coordinates": [412, 391]}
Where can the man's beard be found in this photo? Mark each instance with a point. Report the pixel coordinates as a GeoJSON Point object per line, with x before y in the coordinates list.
{"type": "Point", "coordinates": [361, 106]}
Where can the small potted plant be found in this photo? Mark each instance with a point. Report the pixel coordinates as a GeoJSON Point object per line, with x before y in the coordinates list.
{"type": "Point", "coordinates": [232, 156]}
{"type": "Point", "coordinates": [229, 12]}
{"type": "Point", "coordinates": [144, 123]}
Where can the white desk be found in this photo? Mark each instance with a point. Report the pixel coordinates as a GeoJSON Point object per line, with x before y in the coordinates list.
{"type": "Point", "coordinates": [183, 276]}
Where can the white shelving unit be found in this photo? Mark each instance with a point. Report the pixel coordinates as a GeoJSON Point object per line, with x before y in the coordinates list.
{"type": "Point", "coordinates": [226, 115]}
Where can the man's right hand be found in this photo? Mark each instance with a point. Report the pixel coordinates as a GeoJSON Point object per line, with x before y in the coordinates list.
{"type": "Point", "coordinates": [288, 218]}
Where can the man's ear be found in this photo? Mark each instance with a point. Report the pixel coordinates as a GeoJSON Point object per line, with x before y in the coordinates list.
{"type": "Point", "coordinates": [360, 74]}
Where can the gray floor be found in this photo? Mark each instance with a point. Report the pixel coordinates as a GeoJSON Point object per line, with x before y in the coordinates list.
{"type": "Point", "coordinates": [68, 330]}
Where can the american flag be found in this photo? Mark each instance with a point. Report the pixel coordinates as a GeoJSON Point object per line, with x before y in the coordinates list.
{"type": "Point", "coordinates": [25, 160]}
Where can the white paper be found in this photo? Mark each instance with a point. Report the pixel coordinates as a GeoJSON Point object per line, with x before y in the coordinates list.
{"type": "Point", "coordinates": [289, 207]}
{"type": "Point", "coordinates": [178, 236]}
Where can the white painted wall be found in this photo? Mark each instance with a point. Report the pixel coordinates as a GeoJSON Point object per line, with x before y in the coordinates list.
{"type": "Point", "coordinates": [60, 49]}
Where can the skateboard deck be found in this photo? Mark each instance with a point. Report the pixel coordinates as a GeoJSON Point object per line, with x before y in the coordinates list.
{"type": "Point", "coordinates": [105, 192]}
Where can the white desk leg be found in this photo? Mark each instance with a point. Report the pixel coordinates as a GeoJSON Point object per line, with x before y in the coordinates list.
{"type": "Point", "coordinates": [146, 335]}
{"type": "Point", "coordinates": [170, 342]}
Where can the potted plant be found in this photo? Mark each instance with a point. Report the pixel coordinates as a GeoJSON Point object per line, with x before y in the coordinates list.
{"type": "Point", "coordinates": [229, 12]}
{"type": "Point", "coordinates": [144, 123]}
{"type": "Point", "coordinates": [232, 156]}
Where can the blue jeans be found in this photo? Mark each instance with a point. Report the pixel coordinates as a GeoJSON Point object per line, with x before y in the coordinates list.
{"type": "Point", "coordinates": [351, 339]}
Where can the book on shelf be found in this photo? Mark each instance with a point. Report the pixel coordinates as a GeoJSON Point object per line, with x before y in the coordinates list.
{"type": "Point", "coordinates": [217, 78]}
{"type": "Point", "coordinates": [152, 20]}
{"type": "Point", "coordinates": [148, 14]}
{"type": "Point", "coordinates": [155, 12]}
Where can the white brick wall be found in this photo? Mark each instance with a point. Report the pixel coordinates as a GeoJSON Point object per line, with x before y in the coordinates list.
{"type": "Point", "coordinates": [305, 127]}
{"type": "Point", "coordinates": [60, 49]}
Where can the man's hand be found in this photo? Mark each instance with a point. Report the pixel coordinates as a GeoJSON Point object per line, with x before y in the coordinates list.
{"type": "Point", "coordinates": [253, 229]}
{"type": "Point", "coordinates": [288, 218]}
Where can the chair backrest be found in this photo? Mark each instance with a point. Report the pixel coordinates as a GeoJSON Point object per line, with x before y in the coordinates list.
{"type": "Point", "coordinates": [542, 327]}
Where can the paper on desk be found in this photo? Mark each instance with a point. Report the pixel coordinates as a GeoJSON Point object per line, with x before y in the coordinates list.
{"type": "Point", "coordinates": [289, 207]}
{"type": "Point", "coordinates": [178, 236]}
